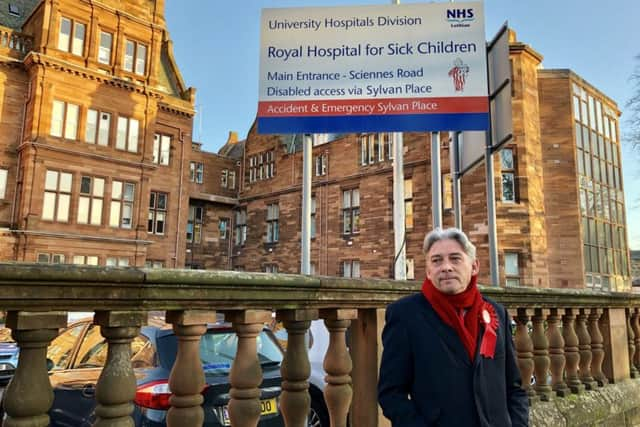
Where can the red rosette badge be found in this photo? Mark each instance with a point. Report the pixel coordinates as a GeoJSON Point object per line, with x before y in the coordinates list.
{"type": "Point", "coordinates": [489, 318]}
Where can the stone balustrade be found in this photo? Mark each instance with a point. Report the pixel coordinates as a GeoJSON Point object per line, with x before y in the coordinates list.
{"type": "Point", "coordinates": [14, 44]}
{"type": "Point", "coordinates": [567, 342]}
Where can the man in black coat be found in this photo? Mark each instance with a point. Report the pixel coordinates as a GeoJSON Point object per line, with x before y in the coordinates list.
{"type": "Point", "coordinates": [448, 356]}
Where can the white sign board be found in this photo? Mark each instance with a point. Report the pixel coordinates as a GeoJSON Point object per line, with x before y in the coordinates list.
{"type": "Point", "coordinates": [410, 67]}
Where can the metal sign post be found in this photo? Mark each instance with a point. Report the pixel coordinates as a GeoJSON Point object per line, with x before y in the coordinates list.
{"type": "Point", "coordinates": [307, 164]}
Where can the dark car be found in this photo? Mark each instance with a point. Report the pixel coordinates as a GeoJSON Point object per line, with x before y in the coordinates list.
{"type": "Point", "coordinates": [79, 353]}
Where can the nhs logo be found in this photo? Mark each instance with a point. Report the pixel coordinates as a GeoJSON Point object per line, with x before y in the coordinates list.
{"type": "Point", "coordinates": [460, 17]}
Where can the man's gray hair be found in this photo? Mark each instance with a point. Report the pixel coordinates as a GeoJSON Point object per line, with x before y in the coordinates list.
{"type": "Point", "coordinates": [449, 234]}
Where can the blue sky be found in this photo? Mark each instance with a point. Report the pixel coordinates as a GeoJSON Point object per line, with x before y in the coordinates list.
{"type": "Point", "coordinates": [216, 45]}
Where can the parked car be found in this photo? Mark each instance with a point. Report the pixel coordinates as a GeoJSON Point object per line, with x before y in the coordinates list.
{"type": "Point", "coordinates": [79, 353]}
{"type": "Point", "coordinates": [9, 352]}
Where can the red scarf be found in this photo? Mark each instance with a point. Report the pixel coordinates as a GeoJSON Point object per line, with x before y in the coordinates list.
{"type": "Point", "coordinates": [450, 308]}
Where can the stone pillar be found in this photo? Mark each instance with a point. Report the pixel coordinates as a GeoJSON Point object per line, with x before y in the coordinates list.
{"type": "Point", "coordinates": [572, 355]}
{"type": "Point", "coordinates": [633, 350]}
{"type": "Point", "coordinates": [556, 353]}
{"type": "Point", "coordinates": [29, 396]}
{"type": "Point", "coordinates": [613, 325]}
{"type": "Point", "coordinates": [366, 351]}
{"type": "Point", "coordinates": [116, 386]}
{"type": "Point", "coordinates": [246, 373]}
{"type": "Point", "coordinates": [541, 355]}
{"type": "Point", "coordinates": [635, 326]}
{"type": "Point", "coordinates": [584, 345]}
{"type": "Point", "coordinates": [295, 400]}
{"type": "Point", "coordinates": [597, 348]}
{"type": "Point", "coordinates": [338, 365]}
{"type": "Point", "coordinates": [187, 381]}
{"type": "Point", "coordinates": [524, 350]}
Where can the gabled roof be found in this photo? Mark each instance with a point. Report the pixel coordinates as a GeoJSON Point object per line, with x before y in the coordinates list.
{"type": "Point", "coordinates": [23, 8]}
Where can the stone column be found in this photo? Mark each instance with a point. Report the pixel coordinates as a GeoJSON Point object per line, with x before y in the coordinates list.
{"type": "Point", "coordinates": [524, 350]}
{"type": "Point", "coordinates": [613, 325]}
{"type": "Point", "coordinates": [29, 396]}
{"type": "Point", "coordinates": [556, 352]}
{"type": "Point", "coordinates": [633, 350]}
{"type": "Point", "coordinates": [597, 348]}
{"type": "Point", "coordinates": [295, 400]}
{"type": "Point", "coordinates": [338, 365]}
{"type": "Point", "coordinates": [246, 373]}
{"type": "Point", "coordinates": [116, 386]}
{"type": "Point", "coordinates": [541, 355]}
{"type": "Point", "coordinates": [635, 326]}
{"type": "Point", "coordinates": [572, 355]}
{"type": "Point", "coordinates": [187, 381]}
{"type": "Point", "coordinates": [584, 344]}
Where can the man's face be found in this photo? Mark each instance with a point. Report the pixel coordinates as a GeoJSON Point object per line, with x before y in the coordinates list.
{"type": "Point", "coordinates": [449, 268]}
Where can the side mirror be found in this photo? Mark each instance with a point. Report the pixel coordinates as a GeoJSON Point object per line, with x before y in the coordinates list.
{"type": "Point", "coordinates": [49, 364]}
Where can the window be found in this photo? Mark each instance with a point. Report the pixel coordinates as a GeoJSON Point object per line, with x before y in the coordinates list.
{"type": "Point", "coordinates": [313, 217]}
{"type": "Point", "coordinates": [232, 179]}
{"type": "Point", "coordinates": [196, 172]}
{"type": "Point", "coordinates": [194, 224]}
{"type": "Point", "coordinates": [351, 211]}
{"type": "Point", "coordinates": [373, 147]}
{"type": "Point", "coordinates": [351, 268]}
{"type": "Point", "coordinates": [104, 50]}
{"type": "Point", "coordinates": [122, 194]}
{"type": "Point", "coordinates": [408, 204]}
{"type": "Point", "coordinates": [71, 36]}
{"type": "Point", "coordinates": [157, 213]}
{"type": "Point", "coordinates": [508, 175]}
{"type": "Point", "coordinates": [64, 120]}
{"type": "Point", "coordinates": [57, 195]}
{"type": "Point", "coordinates": [223, 226]}
{"type": "Point", "coordinates": [153, 264]}
{"type": "Point", "coordinates": [3, 183]}
{"type": "Point", "coordinates": [410, 269]}
{"type": "Point", "coordinates": [161, 149]}
{"type": "Point", "coordinates": [85, 259]}
{"type": "Point", "coordinates": [270, 268]}
{"type": "Point", "coordinates": [135, 54]}
{"type": "Point", "coordinates": [117, 262]}
{"type": "Point", "coordinates": [262, 166]}
{"type": "Point", "coordinates": [90, 200]}
{"type": "Point", "coordinates": [127, 134]}
{"type": "Point", "coordinates": [43, 258]}
{"type": "Point", "coordinates": [273, 231]}
{"type": "Point", "coordinates": [14, 10]}
{"type": "Point", "coordinates": [447, 192]}
{"type": "Point", "coordinates": [224, 178]}
{"type": "Point", "coordinates": [321, 164]}
{"type": "Point", "coordinates": [241, 226]}
{"type": "Point", "coordinates": [97, 128]}
{"type": "Point", "coordinates": [511, 270]}
{"type": "Point", "coordinates": [270, 167]}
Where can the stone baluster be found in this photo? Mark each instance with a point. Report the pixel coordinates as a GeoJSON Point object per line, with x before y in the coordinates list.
{"type": "Point", "coordinates": [338, 365]}
{"type": "Point", "coordinates": [116, 386]}
{"type": "Point", "coordinates": [524, 350]}
{"type": "Point", "coordinates": [584, 345]}
{"type": "Point", "coordinates": [295, 400]}
{"type": "Point", "coordinates": [186, 380]}
{"type": "Point", "coordinates": [246, 373]}
{"type": "Point", "coordinates": [633, 371]}
{"type": "Point", "coordinates": [556, 353]}
{"type": "Point", "coordinates": [635, 325]}
{"type": "Point", "coordinates": [29, 396]}
{"type": "Point", "coordinates": [541, 355]}
{"type": "Point", "coordinates": [597, 346]}
{"type": "Point", "coordinates": [571, 351]}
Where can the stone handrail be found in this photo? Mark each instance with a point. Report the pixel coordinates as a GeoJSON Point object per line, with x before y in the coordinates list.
{"type": "Point", "coordinates": [568, 341]}
{"type": "Point", "coordinates": [14, 44]}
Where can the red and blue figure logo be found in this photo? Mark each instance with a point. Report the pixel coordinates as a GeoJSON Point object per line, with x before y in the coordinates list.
{"type": "Point", "coordinates": [459, 74]}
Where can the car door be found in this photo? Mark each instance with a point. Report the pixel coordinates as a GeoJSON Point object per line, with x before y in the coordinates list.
{"type": "Point", "coordinates": [74, 383]}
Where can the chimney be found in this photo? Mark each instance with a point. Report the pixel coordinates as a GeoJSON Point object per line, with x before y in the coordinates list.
{"type": "Point", "coordinates": [233, 137]}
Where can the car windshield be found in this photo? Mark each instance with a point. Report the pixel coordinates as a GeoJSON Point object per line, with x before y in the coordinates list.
{"type": "Point", "coordinates": [218, 349]}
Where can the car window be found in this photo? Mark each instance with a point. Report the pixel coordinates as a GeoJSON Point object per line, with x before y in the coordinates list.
{"type": "Point", "coordinates": [93, 351]}
{"type": "Point", "coordinates": [61, 347]}
{"type": "Point", "coordinates": [218, 349]}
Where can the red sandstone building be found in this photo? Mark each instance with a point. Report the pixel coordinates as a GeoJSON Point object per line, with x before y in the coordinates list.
{"type": "Point", "coordinates": [97, 162]}
{"type": "Point", "coordinates": [560, 205]}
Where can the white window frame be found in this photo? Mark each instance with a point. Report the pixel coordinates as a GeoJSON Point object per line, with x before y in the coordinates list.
{"type": "Point", "coordinates": [161, 149]}
{"type": "Point", "coordinates": [508, 172]}
{"type": "Point", "coordinates": [241, 226]}
{"type": "Point", "coordinates": [351, 268]}
{"type": "Point", "coordinates": [57, 196]}
{"type": "Point", "coordinates": [64, 119]}
{"type": "Point", "coordinates": [157, 218]}
{"type": "Point", "coordinates": [4, 175]}
{"type": "Point", "coordinates": [511, 261]}
{"type": "Point", "coordinates": [121, 210]}
{"type": "Point", "coordinates": [273, 223]}
{"type": "Point", "coordinates": [91, 202]}
{"type": "Point", "coordinates": [135, 60]}
{"type": "Point", "coordinates": [127, 134]}
{"type": "Point", "coordinates": [104, 51]}
{"type": "Point", "coordinates": [74, 40]}
{"type": "Point", "coordinates": [98, 127]}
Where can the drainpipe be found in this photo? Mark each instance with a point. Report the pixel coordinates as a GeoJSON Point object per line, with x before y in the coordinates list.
{"type": "Point", "coordinates": [27, 98]}
{"type": "Point", "coordinates": [181, 139]}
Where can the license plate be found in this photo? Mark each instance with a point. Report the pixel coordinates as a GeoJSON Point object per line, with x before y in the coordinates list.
{"type": "Point", "coordinates": [267, 406]}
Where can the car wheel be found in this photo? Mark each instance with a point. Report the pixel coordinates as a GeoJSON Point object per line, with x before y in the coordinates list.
{"type": "Point", "coordinates": [318, 414]}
